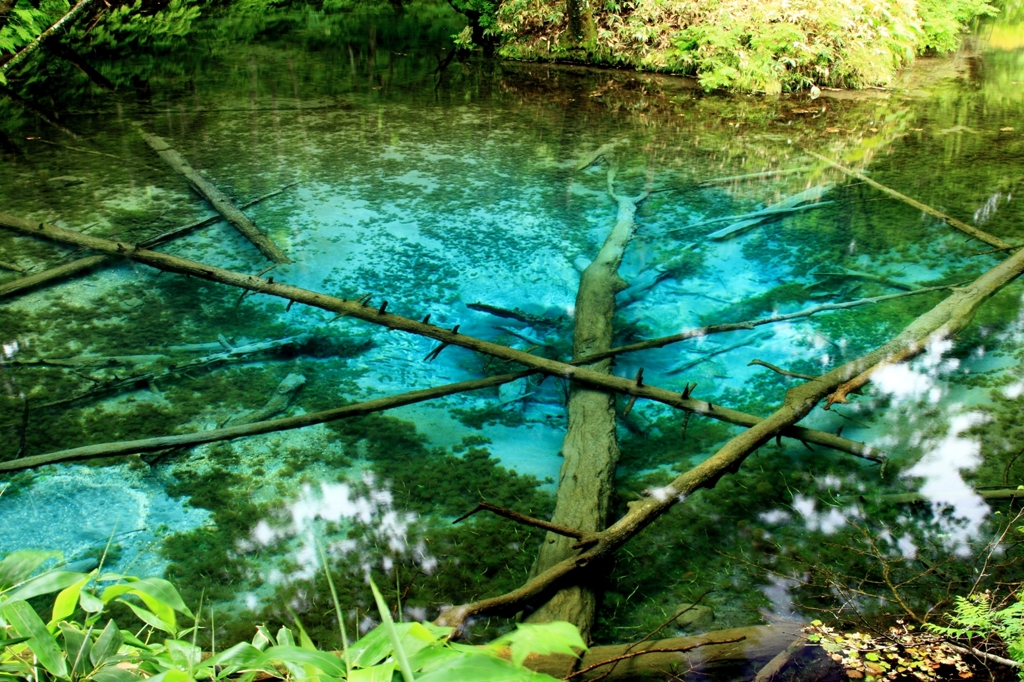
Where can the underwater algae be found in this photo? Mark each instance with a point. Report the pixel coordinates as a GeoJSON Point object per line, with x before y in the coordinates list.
{"type": "Point", "coordinates": [432, 205]}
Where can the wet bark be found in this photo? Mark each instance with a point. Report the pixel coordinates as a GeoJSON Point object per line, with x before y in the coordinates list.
{"type": "Point", "coordinates": [217, 199]}
{"type": "Point", "coordinates": [87, 263]}
{"type": "Point", "coordinates": [944, 320]}
{"type": "Point", "coordinates": [590, 447]}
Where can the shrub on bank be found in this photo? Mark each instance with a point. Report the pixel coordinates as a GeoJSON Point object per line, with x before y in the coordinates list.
{"type": "Point", "coordinates": [743, 44]}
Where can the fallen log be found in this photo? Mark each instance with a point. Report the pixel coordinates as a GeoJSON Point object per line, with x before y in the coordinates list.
{"type": "Point", "coordinates": [590, 448]}
{"type": "Point", "coordinates": [89, 262]}
{"type": "Point", "coordinates": [237, 354]}
{"type": "Point", "coordinates": [514, 314]}
{"type": "Point", "coordinates": [359, 310]}
{"type": "Point", "coordinates": [217, 199]}
{"type": "Point", "coordinates": [11, 266]}
{"type": "Point", "coordinates": [63, 23]}
{"type": "Point", "coordinates": [949, 220]}
{"type": "Point", "coordinates": [144, 445]}
{"type": "Point", "coordinates": [947, 318]}
{"type": "Point", "coordinates": [278, 402]}
{"type": "Point", "coordinates": [735, 649]}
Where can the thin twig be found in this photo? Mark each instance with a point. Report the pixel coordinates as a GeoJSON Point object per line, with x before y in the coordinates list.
{"type": "Point", "coordinates": [523, 519]}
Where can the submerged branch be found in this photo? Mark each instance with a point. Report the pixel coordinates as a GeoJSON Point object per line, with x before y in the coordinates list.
{"type": "Point", "coordinates": [134, 447]}
{"type": "Point", "coordinates": [980, 235]}
{"type": "Point", "coordinates": [220, 201]}
{"type": "Point", "coordinates": [87, 263]}
{"type": "Point", "coordinates": [355, 309]}
{"type": "Point", "coordinates": [949, 316]}
{"type": "Point", "coordinates": [523, 519]}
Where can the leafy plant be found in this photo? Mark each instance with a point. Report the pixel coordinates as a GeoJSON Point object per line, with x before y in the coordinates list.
{"type": "Point", "coordinates": [95, 649]}
{"type": "Point", "coordinates": [975, 618]}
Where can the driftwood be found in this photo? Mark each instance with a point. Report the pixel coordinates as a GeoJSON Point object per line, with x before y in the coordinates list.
{"type": "Point", "coordinates": [590, 449]}
{"type": "Point", "coordinates": [144, 445]}
{"type": "Point", "coordinates": [63, 23]}
{"type": "Point", "coordinates": [948, 317]}
{"type": "Point", "coordinates": [11, 266]}
{"type": "Point", "coordinates": [217, 199]}
{"type": "Point", "coordinates": [373, 315]}
{"type": "Point", "coordinates": [949, 220]}
{"type": "Point", "coordinates": [89, 262]}
{"type": "Point", "coordinates": [590, 158]}
{"type": "Point", "coordinates": [747, 224]}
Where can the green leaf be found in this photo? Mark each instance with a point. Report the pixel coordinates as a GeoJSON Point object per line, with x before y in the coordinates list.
{"type": "Point", "coordinates": [45, 583]}
{"type": "Point", "coordinates": [107, 644]}
{"type": "Point", "coordinates": [481, 667]}
{"type": "Point", "coordinates": [150, 618]}
{"type": "Point", "coordinates": [78, 648]}
{"type": "Point", "coordinates": [388, 625]}
{"type": "Point", "coordinates": [89, 602]}
{"type": "Point", "coordinates": [18, 566]}
{"type": "Point", "coordinates": [64, 604]}
{"type": "Point", "coordinates": [11, 642]}
{"type": "Point", "coordinates": [27, 623]}
{"type": "Point", "coordinates": [542, 638]}
{"type": "Point", "coordinates": [378, 673]}
{"type": "Point", "coordinates": [327, 663]}
{"type": "Point", "coordinates": [113, 674]}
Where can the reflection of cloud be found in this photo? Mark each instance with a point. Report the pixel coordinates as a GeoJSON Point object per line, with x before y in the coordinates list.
{"type": "Point", "coordinates": [827, 522]}
{"type": "Point", "coordinates": [943, 486]}
{"type": "Point", "coordinates": [945, 457]}
{"type": "Point", "coordinates": [777, 592]}
{"type": "Point", "coordinates": [382, 538]}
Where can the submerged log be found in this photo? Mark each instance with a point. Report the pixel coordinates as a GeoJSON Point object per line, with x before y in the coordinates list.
{"type": "Point", "coordinates": [355, 309]}
{"type": "Point", "coordinates": [11, 266]}
{"type": "Point", "coordinates": [590, 448]}
{"type": "Point", "coordinates": [87, 263]}
{"type": "Point", "coordinates": [947, 318]}
{"type": "Point", "coordinates": [217, 199]}
{"type": "Point", "coordinates": [980, 235]}
{"type": "Point", "coordinates": [788, 205]}
{"type": "Point", "coordinates": [144, 445]}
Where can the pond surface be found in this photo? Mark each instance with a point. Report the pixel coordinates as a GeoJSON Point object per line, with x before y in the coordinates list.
{"type": "Point", "coordinates": [457, 188]}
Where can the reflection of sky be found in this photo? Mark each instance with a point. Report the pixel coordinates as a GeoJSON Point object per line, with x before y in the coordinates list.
{"type": "Point", "coordinates": [386, 535]}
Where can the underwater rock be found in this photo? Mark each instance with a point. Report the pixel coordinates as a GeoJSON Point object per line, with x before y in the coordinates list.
{"type": "Point", "coordinates": [696, 617]}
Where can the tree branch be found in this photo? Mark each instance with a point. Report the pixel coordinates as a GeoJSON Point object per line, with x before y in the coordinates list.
{"type": "Point", "coordinates": [355, 309]}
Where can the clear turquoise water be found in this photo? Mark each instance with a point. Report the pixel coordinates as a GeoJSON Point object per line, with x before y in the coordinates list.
{"type": "Point", "coordinates": [439, 190]}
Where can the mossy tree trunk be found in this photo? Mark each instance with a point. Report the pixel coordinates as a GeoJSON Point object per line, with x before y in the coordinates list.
{"type": "Point", "coordinates": [582, 29]}
{"type": "Point", "coordinates": [590, 448]}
